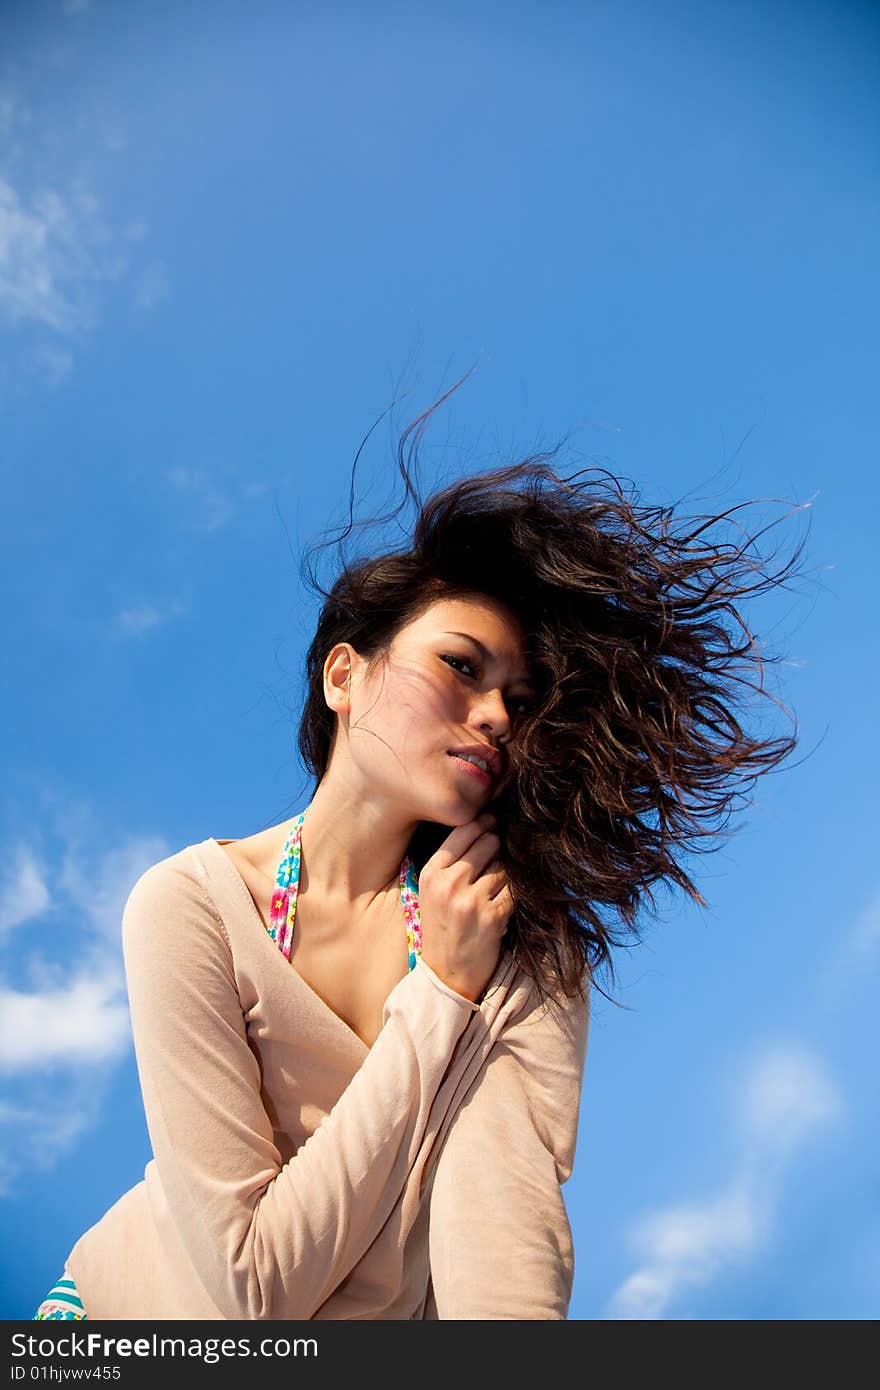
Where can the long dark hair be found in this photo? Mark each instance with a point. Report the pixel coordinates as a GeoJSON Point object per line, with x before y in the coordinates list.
{"type": "Point", "coordinates": [634, 753]}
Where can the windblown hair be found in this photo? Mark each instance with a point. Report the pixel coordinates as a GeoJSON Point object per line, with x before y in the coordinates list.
{"type": "Point", "coordinates": [634, 753]}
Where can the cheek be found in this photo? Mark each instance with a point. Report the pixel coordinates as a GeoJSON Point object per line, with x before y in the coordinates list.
{"type": "Point", "coordinates": [408, 707]}
{"type": "Point", "coordinates": [425, 707]}
{"type": "Point", "coordinates": [427, 692]}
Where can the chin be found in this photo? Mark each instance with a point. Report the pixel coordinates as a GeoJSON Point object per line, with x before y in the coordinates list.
{"type": "Point", "coordinates": [451, 806]}
{"type": "Point", "coordinates": [451, 812]}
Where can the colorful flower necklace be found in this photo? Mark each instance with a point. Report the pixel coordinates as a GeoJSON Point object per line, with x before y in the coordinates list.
{"type": "Point", "coordinates": [283, 912]}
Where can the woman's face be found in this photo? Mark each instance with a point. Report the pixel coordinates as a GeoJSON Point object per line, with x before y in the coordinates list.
{"type": "Point", "coordinates": [455, 680]}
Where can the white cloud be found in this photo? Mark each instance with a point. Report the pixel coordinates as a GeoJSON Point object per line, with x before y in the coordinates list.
{"type": "Point", "coordinates": [65, 1027]}
{"type": "Point", "coordinates": [142, 617]}
{"type": "Point", "coordinates": [75, 6]}
{"type": "Point", "coordinates": [87, 1021]}
{"type": "Point", "coordinates": [682, 1248]}
{"type": "Point", "coordinates": [786, 1096]}
{"type": "Point", "coordinates": [139, 619]}
{"type": "Point", "coordinates": [70, 1014]}
{"type": "Point", "coordinates": [23, 890]}
{"type": "Point", "coordinates": [98, 891]}
{"type": "Point", "coordinates": [47, 1127]}
{"type": "Point", "coordinates": [51, 253]}
{"type": "Point", "coordinates": [59, 250]}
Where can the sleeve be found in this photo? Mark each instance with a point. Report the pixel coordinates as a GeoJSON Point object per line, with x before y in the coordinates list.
{"type": "Point", "coordinates": [268, 1241]}
{"type": "Point", "coordinates": [499, 1237]}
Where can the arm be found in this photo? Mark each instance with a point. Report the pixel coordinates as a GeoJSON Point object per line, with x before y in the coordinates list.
{"type": "Point", "coordinates": [268, 1241]}
{"type": "Point", "coordinates": [500, 1240]}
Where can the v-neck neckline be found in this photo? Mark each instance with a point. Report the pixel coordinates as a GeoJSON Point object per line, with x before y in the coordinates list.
{"type": "Point", "coordinates": [238, 878]}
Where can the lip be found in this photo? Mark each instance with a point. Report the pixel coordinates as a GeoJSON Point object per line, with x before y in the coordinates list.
{"type": "Point", "coordinates": [484, 751]}
{"type": "Point", "coordinates": [477, 772]}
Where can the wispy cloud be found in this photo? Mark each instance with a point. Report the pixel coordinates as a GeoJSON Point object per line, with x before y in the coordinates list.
{"type": "Point", "coordinates": [83, 1022]}
{"type": "Point", "coordinates": [786, 1096]}
{"type": "Point", "coordinates": [143, 617]}
{"type": "Point", "coordinates": [151, 286]}
{"type": "Point", "coordinates": [23, 890]}
{"type": "Point", "coordinates": [862, 948]}
{"type": "Point", "coordinates": [66, 1024]}
{"type": "Point", "coordinates": [212, 508]}
{"type": "Point", "coordinates": [59, 249]}
{"type": "Point", "coordinates": [97, 888]}
{"type": "Point", "coordinates": [53, 249]}
{"type": "Point", "coordinates": [213, 502]}
{"type": "Point", "coordinates": [852, 953]}
{"type": "Point", "coordinates": [38, 1131]}
{"type": "Point", "coordinates": [70, 1012]}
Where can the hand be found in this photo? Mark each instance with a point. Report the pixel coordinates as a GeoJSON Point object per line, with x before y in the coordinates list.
{"type": "Point", "coordinates": [465, 903]}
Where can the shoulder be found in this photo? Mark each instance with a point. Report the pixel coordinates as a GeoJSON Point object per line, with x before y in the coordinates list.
{"type": "Point", "coordinates": [171, 902]}
{"type": "Point", "coordinates": [182, 873]}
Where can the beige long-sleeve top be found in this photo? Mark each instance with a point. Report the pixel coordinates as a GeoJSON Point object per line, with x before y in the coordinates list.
{"type": "Point", "coordinates": [299, 1174]}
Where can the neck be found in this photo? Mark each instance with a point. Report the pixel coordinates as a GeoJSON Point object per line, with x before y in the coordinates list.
{"type": "Point", "coordinates": [352, 844]}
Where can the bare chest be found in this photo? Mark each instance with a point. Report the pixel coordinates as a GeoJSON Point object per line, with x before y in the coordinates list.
{"type": "Point", "coordinates": [351, 965]}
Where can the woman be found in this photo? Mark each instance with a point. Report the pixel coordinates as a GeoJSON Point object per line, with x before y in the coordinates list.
{"type": "Point", "coordinates": [361, 1033]}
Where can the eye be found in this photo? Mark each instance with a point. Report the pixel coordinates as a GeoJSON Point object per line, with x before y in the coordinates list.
{"type": "Point", "coordinates": [524, 705]}
{"type": "Point", "coordinates": [456, 662]}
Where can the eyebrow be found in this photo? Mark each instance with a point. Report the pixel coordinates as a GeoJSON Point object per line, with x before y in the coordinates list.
{"type": "Point", "coordinates": [484, 651]}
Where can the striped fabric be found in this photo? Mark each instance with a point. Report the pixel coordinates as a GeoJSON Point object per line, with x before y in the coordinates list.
{"type": "Point", "coordinates": [62, 1301]}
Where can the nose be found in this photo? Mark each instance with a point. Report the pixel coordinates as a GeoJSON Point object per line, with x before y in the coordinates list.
{"type": "Point", "coordinates": [490, 713]}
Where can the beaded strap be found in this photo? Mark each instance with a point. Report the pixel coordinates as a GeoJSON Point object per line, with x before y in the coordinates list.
{"type": "Point", "coordinates": [283, 908]}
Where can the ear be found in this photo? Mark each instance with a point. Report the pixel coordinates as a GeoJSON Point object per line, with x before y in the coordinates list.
{"type": "Point", "coordinates": [338, 669]}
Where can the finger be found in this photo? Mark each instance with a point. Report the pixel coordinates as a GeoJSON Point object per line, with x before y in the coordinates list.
{"type": "Point", "coordinates": [481, 853]}
{"type": "Point", "coordinates": [500, 890]}
{"type": "Point", "coordinates": [494, 876]}
{"type": "Point", "coordinates": [498, 887]}
{"type": "Point", "coordinates": [460, 840]}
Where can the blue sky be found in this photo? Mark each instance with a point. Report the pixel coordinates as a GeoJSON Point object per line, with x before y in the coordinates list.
{"type": "Point", "coordinates": [229, 236]}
